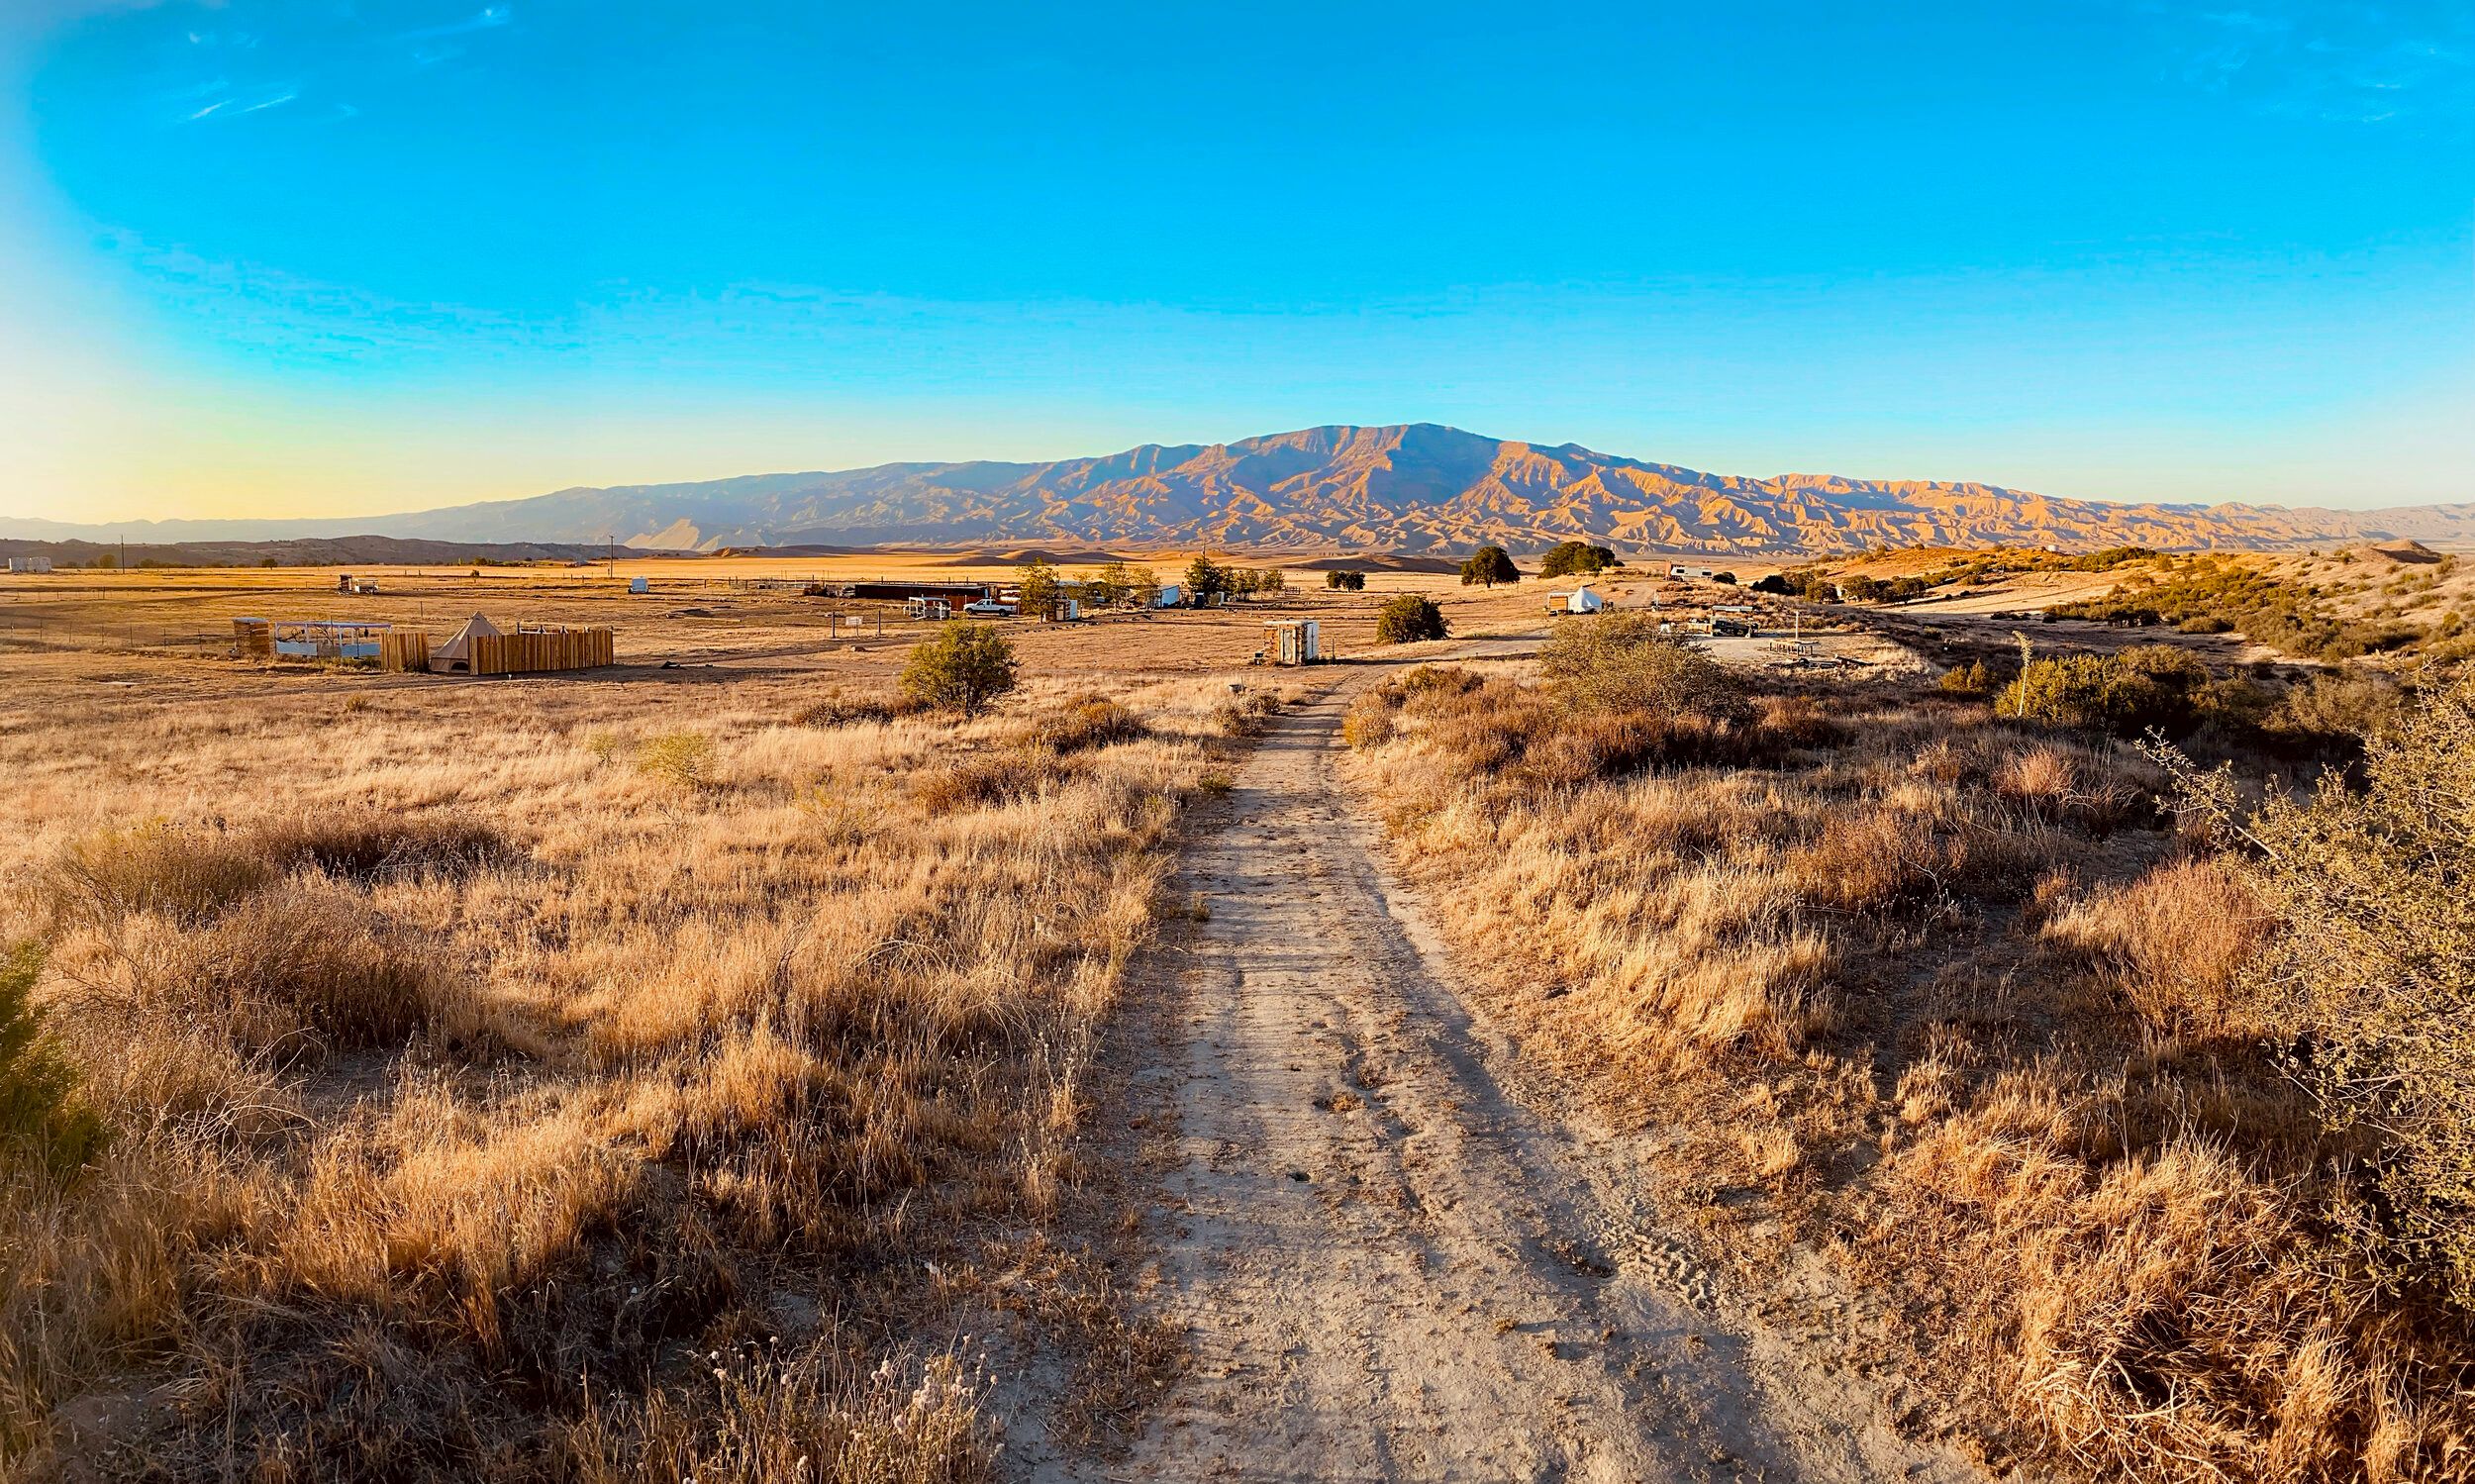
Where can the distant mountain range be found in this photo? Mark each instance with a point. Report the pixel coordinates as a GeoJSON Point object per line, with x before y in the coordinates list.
{"type": "Point", "coordinates": [1412, 488]}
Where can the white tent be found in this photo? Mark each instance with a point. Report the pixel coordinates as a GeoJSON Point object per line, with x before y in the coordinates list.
{"type": "Point", "coordinates": [456, 652]}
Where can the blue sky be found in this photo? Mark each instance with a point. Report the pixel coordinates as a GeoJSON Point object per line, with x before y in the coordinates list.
{"type": "Point", "coordinates": [310, 256]}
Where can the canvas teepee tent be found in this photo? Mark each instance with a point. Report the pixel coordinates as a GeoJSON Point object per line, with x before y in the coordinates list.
{"type": "Point", "coordinates": [456, 652]}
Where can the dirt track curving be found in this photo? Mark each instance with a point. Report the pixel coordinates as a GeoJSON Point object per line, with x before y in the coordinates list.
{"type": "Point", "coordinates": [1388, 1266]}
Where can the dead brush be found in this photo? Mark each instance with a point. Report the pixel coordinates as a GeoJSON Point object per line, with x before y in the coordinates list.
{"type": "Point", "coordinates": [2113, 1218]}
{"type": "Point", "coordinates": [842, 710]}
{"type": "Point", "coordinates": [2175, 944]}
{"type": "Point", "coordinates": [1086, 723]}
{"type": "Point", "coordinates": [2039, 779]}
{"type": "Point", "coordinates": [1369, 721]}
{"type": "Point", "coordinates": [187, 873]}
{"type": "Point", "coordinates": [987, 779]}
{"type": "Point", "coordinates": [365, 845]}
{"type": "Point", "coordinates": [1875, 861]}
{"type": "Point", "coordinates": [353, 1241]}
{"type": "Point", "coordinates": [294, 972]}
{"type": "Point", "coordinates": [765, 1417]}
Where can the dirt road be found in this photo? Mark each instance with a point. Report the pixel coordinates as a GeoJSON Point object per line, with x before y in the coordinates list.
{"type": "Point", "coordinates": [1389, 1267]}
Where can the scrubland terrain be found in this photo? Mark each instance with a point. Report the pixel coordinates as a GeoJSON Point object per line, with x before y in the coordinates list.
{"type": "Point", "coordinates": [2397, 602]}
{"type": "Point", "coordinates": [1925, 998]}
{"type": "Point", "coordinates": [1610, 1063]}
{"type": "Point", "coordinates": [562, 1079]}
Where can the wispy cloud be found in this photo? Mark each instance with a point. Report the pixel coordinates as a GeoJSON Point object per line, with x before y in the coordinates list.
{"type": "Point", "coordinates": [2345, 62]}
{"type": "Point", "coordinates": [489, 19]}
{"type": "Point", "coordinates": [323, 59]}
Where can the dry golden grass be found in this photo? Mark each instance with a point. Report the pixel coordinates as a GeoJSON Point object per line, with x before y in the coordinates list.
{"type": "Point", "coordinates": [1955, 1001]}
{"type": "Point", "coordinates": [485, 1067]}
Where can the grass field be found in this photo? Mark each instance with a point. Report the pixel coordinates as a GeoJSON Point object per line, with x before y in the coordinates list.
{"type": "Point", "coordinates": [686, 1068]}
{"type": "Point", "coordinates": [556, 1075]}
{"type": "Point", "coordinates": [1953, 1012]}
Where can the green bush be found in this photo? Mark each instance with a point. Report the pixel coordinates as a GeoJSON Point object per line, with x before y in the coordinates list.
{"type": "Point", "coordinates": [2213, 596]}
{"type": "Point", "coordinates": [1487, 567]}
{"type": "Point", "coordinates": [2148, 687]}
{"type": "Point", "coordinates": [2340, 703]}
{"type": "Point", "coordinates": [45, 1125]}
{"type": "Point", "coordinates": [1206, 579]}
{"type": "Point", "coordinates": [1577, 559]}
{"type": "Point", "coordinates": [964, 667]}
{"type": "Point", "coordinates": [1975, 678]}
{"type": "Point", "coordinates": [1621, 661]}
{"type": "Point", "coordinates": [681, 758]}
{"type": "Point", "coordinates": [2374, 971]}
{"type": "Point", "coordinates": [1409, 618]}
{"type": "Point", "coordinates": [1345, 582]}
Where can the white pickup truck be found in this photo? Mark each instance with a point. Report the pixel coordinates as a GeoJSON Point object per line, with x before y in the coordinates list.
{"type": "Point", "coordinates": [989, 608]}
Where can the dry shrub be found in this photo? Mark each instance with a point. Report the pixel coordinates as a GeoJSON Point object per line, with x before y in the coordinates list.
{"type": "Point", "coordinates": [841, 710]}
{"type": "Point", "coordinates": [2041, 779]}
{"type": "Point", "coordinates": [1570, 748]}
{"type": "Point", "coordinates": [366, 845]}
{"type": "Point", "coordinates": [2175, 944]}
{"type": "Point", "coordinates": [290, 973]}
{"type": "Point", "coordinates": [1620, 660]}
{"type": "Point", "coordinates": [1434, 682]}
{"type": "Point", "coordinates": [1875, 861]}
{"type": "Point", "coordinates": [2374, 967]}
{"type": "Point", "coordinates": [761, 1420]}
{"type": "Point", "coordinates": [1796, 722]}
{"type": "Point", "coordinates": [683, 759]}
{"type": "Point", "coordinates": [983, 780]}
{"type": "Point", "coordinates": [1088, 723]}
{"type": "Point", "coordinates": [1234, 719]}
{"type": "Point", "coordinates": [2166, 1318]}
{"type": "Point", "coordinates": [184, 873]}
{"type": "Point", "coordinates": [1368, 723]}
{"type": "Point", "coordinates": [2347, 703]}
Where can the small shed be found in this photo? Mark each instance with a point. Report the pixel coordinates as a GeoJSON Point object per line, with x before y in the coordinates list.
{"type": "Point", "coordinates": [1583, 599]}
{"type": "Point", "coordinates": [1170, 596]}
{"type": "Point", "coordinates": [639, 585]}
{"type": "Point", "coordinates": [1294, 641]}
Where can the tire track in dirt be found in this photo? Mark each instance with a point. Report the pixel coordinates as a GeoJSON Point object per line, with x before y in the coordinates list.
{"type": "Point", "coordinates": [1387, 1266]}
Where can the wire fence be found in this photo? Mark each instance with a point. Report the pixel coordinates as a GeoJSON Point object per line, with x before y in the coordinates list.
{"type": "Point", "coordinates": [28, 630]}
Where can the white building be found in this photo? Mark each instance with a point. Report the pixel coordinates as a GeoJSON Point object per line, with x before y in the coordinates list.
{"type": "Point", "coordinates": [1295, 641]}
{"type": "Point", "coordinates": [30, 563]}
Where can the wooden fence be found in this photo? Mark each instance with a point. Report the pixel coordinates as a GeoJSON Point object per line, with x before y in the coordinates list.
{"type": "Point", "coordinates": [403, 649]}
{"type": "Point", "coordinates": [529, 652]}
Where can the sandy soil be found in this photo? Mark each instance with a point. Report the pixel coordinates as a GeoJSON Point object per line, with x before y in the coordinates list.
{"type": "Point", "coordinates": [1387, 1264]}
